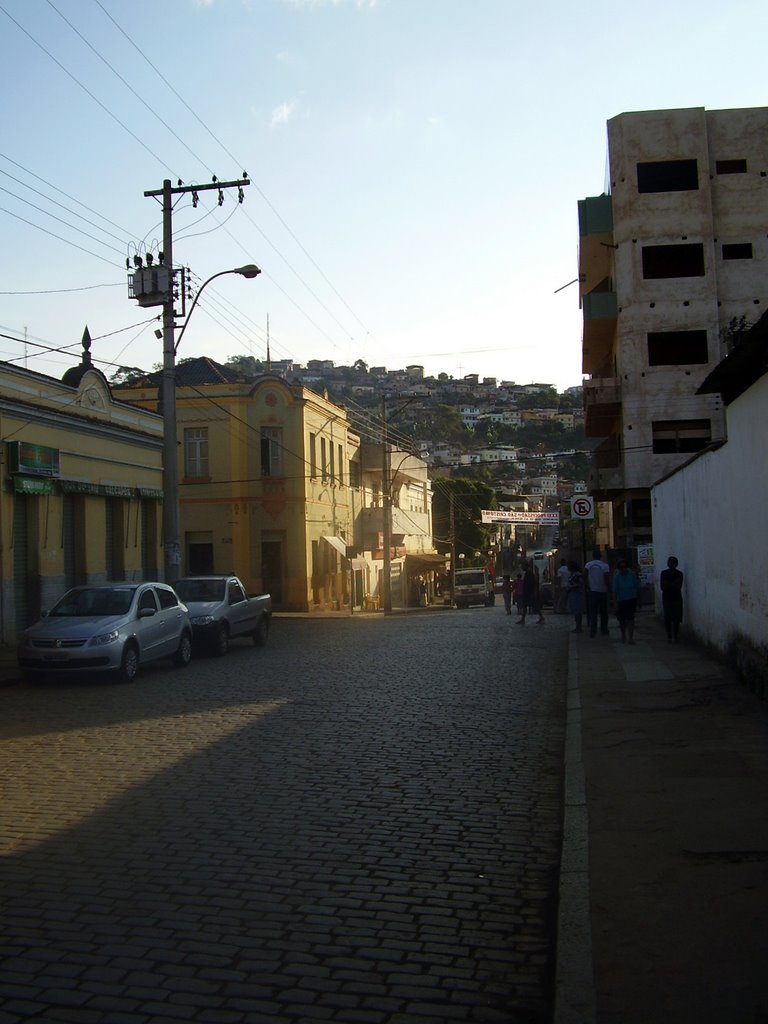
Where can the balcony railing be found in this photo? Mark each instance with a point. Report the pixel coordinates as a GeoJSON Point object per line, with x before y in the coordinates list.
{"type": "Point", "coordinates": [595, 215]}
{"type": "Point", "coordinates": [601, 311]}
{"type": "Point", "coordinates": [600, 306]}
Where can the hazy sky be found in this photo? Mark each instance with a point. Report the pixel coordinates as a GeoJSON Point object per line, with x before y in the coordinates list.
{"type": "Point", "coordinates": [415, 168]}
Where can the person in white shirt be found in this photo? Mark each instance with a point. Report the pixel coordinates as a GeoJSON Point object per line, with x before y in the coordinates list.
{"type": "Point", "coordinates": [598, 577]}
{"type": "Point", "coordinates": [563, 575]}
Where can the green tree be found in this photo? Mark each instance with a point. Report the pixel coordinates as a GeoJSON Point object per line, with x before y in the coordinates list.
{"type": "Point", "coordinates": [467, 497]}
{"type": "Point", "coordinates": [128, 376]}
{"type": "Point", "coordinates": [440, 423]}
{"type": "Point", "coordinates": [248, 366]}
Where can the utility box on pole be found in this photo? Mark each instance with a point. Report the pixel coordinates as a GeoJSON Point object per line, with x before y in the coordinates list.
{"type": "Point", "coordinates": [151, 286]}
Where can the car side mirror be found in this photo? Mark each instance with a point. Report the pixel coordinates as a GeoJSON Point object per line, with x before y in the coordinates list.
{"type": "Point", "coordinates": [146, 613]}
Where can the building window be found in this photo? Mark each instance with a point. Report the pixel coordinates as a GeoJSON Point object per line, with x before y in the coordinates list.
{"type": "Point", "coordinates": [686, 260]}
{"type": "Point", "coordinates": [673, 348]}
{"type": "Point", "coordinates": [271, 451]}
{"type": "Point", "coordinates": [324, 458]}
{"type": "Point", "coordinates": [313, 456]}
{"type": "Point", "coordinates": [668, 176]}
{"type": "Point", "coordinates": [731, 166]}
{"type": "Point", "coordinates": [340, 451]}
{"type": "Point", "coordinates": [680, 436]}
{"type": "Point", "coordinates": [737, 251]}
{"type": "Point", "coordinates": [333, 462]}
{"type": "Point", "coordinates": [196, 452]}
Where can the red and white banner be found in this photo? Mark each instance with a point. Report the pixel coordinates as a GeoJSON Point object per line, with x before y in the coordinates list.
{"type": "Point", "coordinates": [512, 516]}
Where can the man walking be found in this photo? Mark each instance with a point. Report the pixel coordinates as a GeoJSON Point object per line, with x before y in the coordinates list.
{"type": "Point", "coordinates": [598, 578]}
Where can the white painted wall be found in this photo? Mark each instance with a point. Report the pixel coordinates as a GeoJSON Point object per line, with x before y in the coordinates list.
{"type": "Point", "coordinates": [711, 515]}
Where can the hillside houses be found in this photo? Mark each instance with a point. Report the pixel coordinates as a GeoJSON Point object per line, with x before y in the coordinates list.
{"type": "Point", "coordinates": [477, 414]}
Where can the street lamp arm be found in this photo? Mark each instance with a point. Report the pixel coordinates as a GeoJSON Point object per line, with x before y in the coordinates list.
{"type": "Point", "coordinates": [250, 270]}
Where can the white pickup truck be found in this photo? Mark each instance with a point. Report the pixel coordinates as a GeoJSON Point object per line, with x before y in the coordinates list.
{"type": "Point", "coordinates": [472, 586]}
{"type": "Point", "coordinates": [220, 610]}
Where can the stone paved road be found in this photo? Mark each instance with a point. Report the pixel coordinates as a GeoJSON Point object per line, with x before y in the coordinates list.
{"type": "Point", "coordinates": [359, 823]}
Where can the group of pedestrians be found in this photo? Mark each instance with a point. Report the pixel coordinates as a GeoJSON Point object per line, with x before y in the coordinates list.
{"type": "Point", "coordinates": [592, 588]}
{"type": "Point", "coordinates": [525, 593]}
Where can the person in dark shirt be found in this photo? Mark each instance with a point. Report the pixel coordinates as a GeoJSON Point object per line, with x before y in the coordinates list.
{"type": "Point", "coordinates": [671, 582]}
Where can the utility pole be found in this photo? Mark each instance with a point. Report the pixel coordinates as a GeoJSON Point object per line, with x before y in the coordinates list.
{"type": "Point", "coordinates": [386, 581]}
{"type": "Point", "coordinates": [386, 472]}
{"type": "Point", "coordinates": [171, 528]}
{"type": "Point", "coordinates": [452, 515]}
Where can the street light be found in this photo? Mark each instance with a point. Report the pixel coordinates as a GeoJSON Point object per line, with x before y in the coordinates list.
{"type": "Point", "coordinates": [249, 271]}
{"type": "Point", "coordinates": [171, 529]}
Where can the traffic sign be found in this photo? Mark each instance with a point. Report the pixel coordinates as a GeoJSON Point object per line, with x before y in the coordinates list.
{"type": "Point", "coordinates": [583, 507]}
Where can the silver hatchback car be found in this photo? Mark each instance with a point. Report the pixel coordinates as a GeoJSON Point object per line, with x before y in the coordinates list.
{"type": "Point", "coordinates": [110, 627]}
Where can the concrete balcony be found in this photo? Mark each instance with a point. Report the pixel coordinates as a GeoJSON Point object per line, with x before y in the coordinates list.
{"type": "Point", "coordinates": [602, 406]}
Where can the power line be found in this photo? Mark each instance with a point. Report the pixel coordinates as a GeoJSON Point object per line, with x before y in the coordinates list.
{"type": "Point", "coordinates": [77, 82]}
{"type": "Point", "coordinates": [61, 192]}
{"type": "Point", "coordinates": [255, 185]}
{"type": "Point", "coordinates": [61, 220]}
{"type": "Point", "coordinates": [127, 84]}
{"type": "Point", "coordinates": [55, 203]}
{"type": "Point", "coordinates": [61, 291]}
{"type": "Point", "coordinates": [53, 234]}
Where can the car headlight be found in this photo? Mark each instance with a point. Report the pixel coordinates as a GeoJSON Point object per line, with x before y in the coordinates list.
{"type": "Point", "coordinates": [105, 638]}
{"type": "Point", "coordinates": [202, 620]}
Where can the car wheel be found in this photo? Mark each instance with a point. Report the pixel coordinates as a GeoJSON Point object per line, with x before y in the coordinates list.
{"type": "Point", "coordinates": [183, 655]}
{"type": "Point", "coordinates": [129, 663]}
{"type": "Point", "coordinates": [261, 633]}
{"type": "Point", "coordinates": [221, 640]}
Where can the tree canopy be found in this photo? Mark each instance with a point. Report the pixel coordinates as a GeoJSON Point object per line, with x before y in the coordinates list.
{"type": "Point", "coordinates": [467, 498]}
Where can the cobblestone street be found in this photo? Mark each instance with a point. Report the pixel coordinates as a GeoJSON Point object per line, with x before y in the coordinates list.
{"type": "Point", "coordinates": [358, 823]}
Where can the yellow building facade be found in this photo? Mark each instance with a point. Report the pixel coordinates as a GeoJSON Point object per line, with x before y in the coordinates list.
{"type": "Point", "coordinates": [81, 489]}
{"type": "Point", "coordinates": [265, 484]}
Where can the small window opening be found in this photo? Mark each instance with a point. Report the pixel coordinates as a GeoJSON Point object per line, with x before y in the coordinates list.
{"type": "Point", "coordinates": [731, 166]}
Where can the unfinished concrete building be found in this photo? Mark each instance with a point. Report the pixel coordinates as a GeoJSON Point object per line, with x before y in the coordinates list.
{"type": "Point", "coordinates": [672, 267]}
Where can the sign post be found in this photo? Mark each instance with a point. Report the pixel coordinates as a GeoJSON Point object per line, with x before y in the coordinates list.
{"type": "Point", "coordinates": [582, 509]}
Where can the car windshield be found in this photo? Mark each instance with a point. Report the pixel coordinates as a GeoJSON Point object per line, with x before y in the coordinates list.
{"type": "Point", "coordinates": [473, 579]}
{"type": "Point", "coordinates": [200, 590]}
{"type": "Point", "coordinates": [95, 601]}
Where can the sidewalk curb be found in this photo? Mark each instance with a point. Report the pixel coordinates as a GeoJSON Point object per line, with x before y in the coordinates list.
{"type": "Point", "coordinates": [574, 979]}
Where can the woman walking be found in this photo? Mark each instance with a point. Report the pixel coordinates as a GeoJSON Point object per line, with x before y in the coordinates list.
{"type": "Point", "coordinates": [625, 591]}
{"type": "Point", "coordinates": [574, 599]}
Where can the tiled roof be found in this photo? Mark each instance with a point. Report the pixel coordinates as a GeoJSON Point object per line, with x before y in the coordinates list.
{"type": "Point", "coordinates": [201, 370]}
{"type": "Point", "coordinates": [204, 370]}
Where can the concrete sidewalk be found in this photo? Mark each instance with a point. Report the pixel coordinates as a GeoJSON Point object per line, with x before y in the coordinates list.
{"type": "Point", "coordinates": [664, 894]}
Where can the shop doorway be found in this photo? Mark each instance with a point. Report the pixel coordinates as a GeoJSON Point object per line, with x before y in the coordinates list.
{"type": "Point", "coordinates": [272, 568]}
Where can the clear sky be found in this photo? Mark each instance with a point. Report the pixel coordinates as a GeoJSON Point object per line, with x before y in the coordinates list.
{"type": "Point", "coordinates": [415, 168]}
